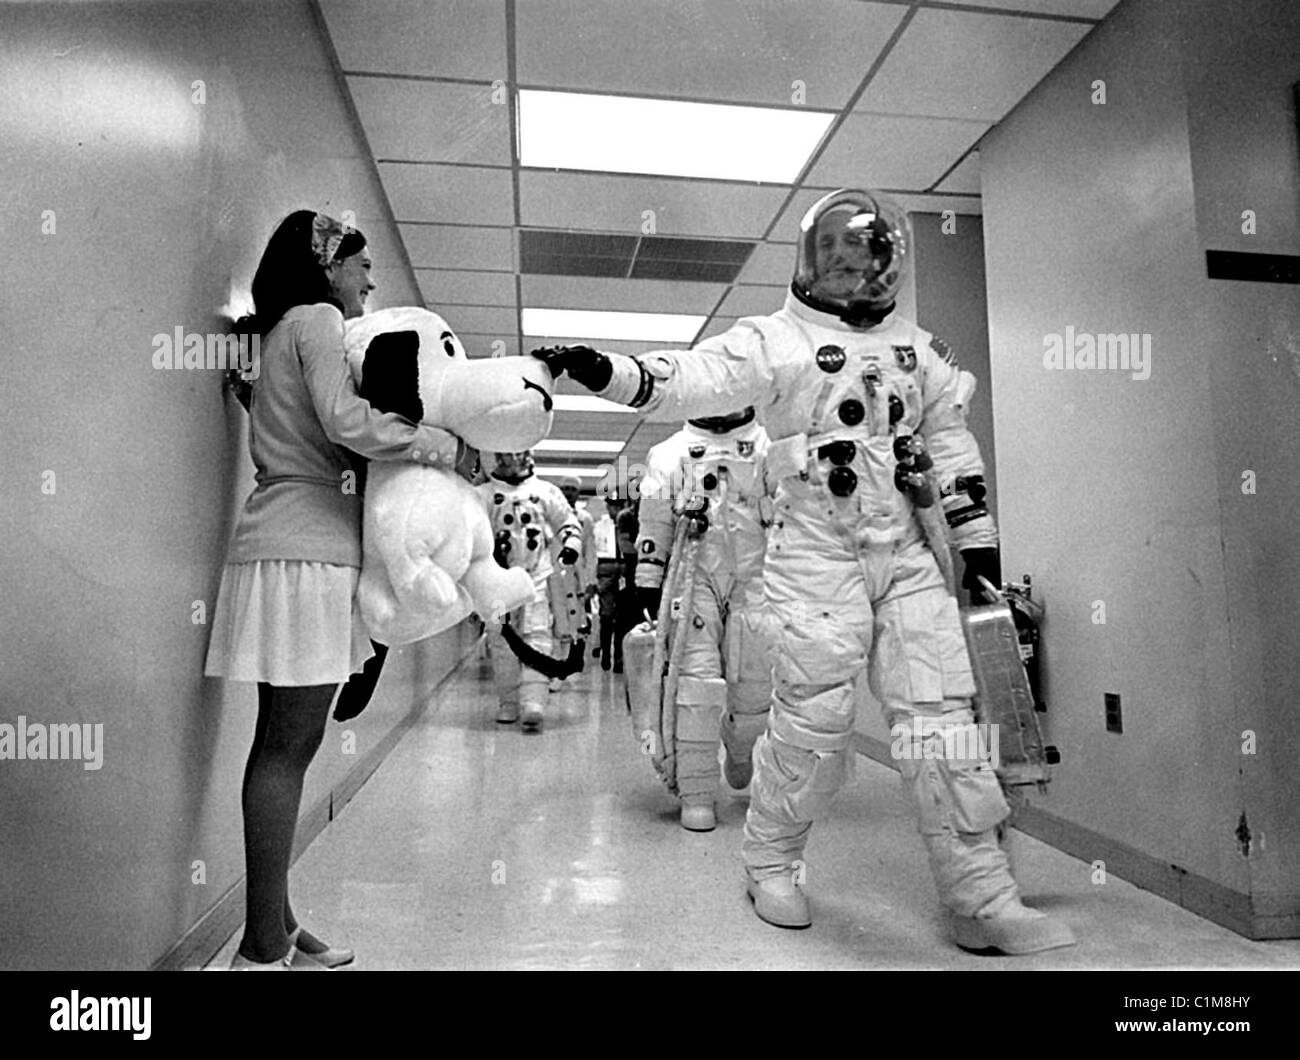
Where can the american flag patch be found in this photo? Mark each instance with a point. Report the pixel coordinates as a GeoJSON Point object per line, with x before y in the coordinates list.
{"type": "Point", "coordinates": [942, 349]}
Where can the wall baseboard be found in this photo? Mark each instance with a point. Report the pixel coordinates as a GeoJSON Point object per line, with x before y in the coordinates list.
{"type": "Point", "coordinates": [1276, 918]}
{"type": "Point", "coordinates": [209, 933]}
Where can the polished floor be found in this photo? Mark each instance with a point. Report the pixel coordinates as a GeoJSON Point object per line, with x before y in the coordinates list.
{"type": "Point", "coordinates": [476, 846]}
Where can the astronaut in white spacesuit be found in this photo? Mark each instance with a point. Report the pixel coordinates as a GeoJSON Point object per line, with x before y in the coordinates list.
{"type": "Point", "coordinates": [849, 393]}
{"type": "Point", "coordinates": [572, 586]}
{"type": "Point", "coordinates": [712, 473]}
{"type": "Point", "coordinates": [527, 514]}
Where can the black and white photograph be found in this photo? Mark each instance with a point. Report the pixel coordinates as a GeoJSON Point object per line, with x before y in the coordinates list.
{"type": "Point", "coordinates": [871, 428]}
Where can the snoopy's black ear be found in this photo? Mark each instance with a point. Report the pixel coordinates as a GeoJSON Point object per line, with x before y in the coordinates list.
{"type": "Point", "coordinates": [390, 378]}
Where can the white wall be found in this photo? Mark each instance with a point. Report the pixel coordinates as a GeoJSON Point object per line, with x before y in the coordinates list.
{"type": "Point", "coordinates": [160, 206]}
{"type": "Point", "coordinates": [1125, 493]}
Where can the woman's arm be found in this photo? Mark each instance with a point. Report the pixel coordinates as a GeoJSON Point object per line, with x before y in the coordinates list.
{"type": "Point", "coordinates": [347, 418]}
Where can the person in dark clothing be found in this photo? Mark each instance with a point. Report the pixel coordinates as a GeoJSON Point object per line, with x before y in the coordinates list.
{"type": "Point", "coordinates": [626, 526]}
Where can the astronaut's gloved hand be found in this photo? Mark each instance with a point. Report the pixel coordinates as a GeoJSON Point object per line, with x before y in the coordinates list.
{"type": "Point", "coordinates": [647, 601]}
{"type": "Point", "coordinates": [501, 548]}
{"type": "Point", "coordinates": [980, 562]}
{"type": "Point", "coordinates": [568, 555]}
{"type": "Point", "coordinates": [585, 366]}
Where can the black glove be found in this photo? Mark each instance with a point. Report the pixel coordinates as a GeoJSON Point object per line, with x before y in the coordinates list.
{"type": "Point", "coordinates": [568, 555]}
{"type": "Point", "coordinates": [980, 561]}
{"type": "Point", "coordinates": [361, 686]}
{"type": "Point", "coordinates": [501, 548]}
{"type": "Point", "coordinates": [647, 602]}
{"type": "Point", "coordinates": [585, 366]}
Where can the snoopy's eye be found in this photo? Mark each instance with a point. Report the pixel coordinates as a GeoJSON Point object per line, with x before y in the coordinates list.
{"type": "Point", "coordinates": [449, 349]}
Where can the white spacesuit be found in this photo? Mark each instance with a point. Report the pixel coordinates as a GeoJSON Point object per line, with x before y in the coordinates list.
{"type": "Point", "coordinates": [571, 586]}
{"type": "Point", "coordinates": [527, 515]}
{"type": "Point", "coordinates": [713, 469]}
{"type": "Point", "coordinates": [846, 390]}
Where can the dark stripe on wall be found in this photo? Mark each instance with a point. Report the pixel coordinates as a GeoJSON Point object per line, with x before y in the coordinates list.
{"type": "Point", "coordinates": [1257, 268]}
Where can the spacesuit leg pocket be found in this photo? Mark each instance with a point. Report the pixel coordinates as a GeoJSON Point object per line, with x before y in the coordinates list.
{"type": "Point", "coordinates": [920, 652]}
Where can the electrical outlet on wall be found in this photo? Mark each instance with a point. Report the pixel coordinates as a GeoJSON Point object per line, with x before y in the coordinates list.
{"type": "Point", "coordinates": [1114, 719]}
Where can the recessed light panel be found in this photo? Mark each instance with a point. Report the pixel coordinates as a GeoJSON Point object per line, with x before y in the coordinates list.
{"type": "Point", "coordinates": [622, 134]}
{"type": "Point", "coordinates": [589, 403]}
{"type": "Point", "coordinates": [604, 324]}
{"type": "Point", "coordinates": [576, 445]}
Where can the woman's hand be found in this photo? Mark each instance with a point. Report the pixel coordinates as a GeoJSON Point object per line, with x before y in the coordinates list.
{"type": "Point", "coordinates": [240, 387]}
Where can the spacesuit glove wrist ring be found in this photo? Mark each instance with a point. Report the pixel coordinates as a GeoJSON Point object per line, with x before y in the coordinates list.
{"type": "Point", "coordinates": [629, 384]}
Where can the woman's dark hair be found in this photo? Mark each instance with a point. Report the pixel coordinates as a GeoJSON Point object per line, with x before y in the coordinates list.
{"type": "Point", "coordinates": [289, 274]}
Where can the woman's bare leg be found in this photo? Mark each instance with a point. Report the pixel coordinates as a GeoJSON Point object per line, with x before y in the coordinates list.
{"type": "Point", "coordinates": [290, 726]}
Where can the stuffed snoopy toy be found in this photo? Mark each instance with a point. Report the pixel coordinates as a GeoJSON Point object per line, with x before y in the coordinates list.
{"type": "Point", "coordinates": [426, 542]}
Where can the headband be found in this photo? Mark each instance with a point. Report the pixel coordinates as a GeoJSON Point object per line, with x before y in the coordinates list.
{"type": "Point", "coordinates": [326, 235]}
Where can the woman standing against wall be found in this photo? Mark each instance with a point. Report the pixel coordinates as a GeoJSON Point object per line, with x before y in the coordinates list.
{"type": "Point", "coordinates": [284, 616]}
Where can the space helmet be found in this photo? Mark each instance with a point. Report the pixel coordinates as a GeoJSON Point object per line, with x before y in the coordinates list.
{"type": "Point", "coordinates": [513, 467]}
{"type": "Point", "coordinates": [853, 248]}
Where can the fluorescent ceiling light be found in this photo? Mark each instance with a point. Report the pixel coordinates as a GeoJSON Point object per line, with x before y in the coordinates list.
{"type": "Point", "coordinates": [581, 472]}
{"type": "Point", "coordinates": [621, 134]}
{"type": "Point", "coordinates": [573, 445]}
{"type": "Point", "coordinates": [605, 324]}
{"type": "Point", "coordinates": [588, 403]}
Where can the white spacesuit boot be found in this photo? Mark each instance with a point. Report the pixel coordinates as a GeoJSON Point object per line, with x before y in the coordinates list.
{"type": "Point", "coordinates": [802, 759]}
{"type": "Point", "coordinates": [952, 786]}
{"type": "Point", "coordinates": [505, 672]}
{"type": "Point", "coordinates": [699, 708]}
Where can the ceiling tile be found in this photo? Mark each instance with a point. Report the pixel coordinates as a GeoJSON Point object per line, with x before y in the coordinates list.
{"type": "Point", "coordinates": [965, 178]}
{"type": "Point", "coordinates": [466, 195]}
{"type": "Point", "coordinates": [879, 151]}
{"type": "Point", "coordinates": [592, 427]}
{"type": "Point", "coordinates": [770, 263]}
{"type": "Point", "coordinates": [635, 296]}
{"type": "Point", "coordinates": [384, 245]}
{"type": "Point", "coordinates": [449, 287]}
{"type": "Point", "coordinates": [496, 321]}
{"type": "Point", "coordinates": [964, 64]}
{"type": "Point", "coordinates": [1079, 8]}
{"type": "Point", "coordinates": [932, 203]}
{"type": "Point", "coordinates": [434, 38]}
{"type": "Point", "coordinates": [459, 247]}
{"type": "Point", "coordinates": [424, 121]}
{"type": "Point", "coordinates": [629, 204]}
{"type": "Point", "coordinates": [749, 51]}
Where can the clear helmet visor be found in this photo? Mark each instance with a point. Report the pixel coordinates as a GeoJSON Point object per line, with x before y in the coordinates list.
{"type": "Point", "coordinates": [513, 465]}
{"type": "Point", "coordinates": [853, 249]}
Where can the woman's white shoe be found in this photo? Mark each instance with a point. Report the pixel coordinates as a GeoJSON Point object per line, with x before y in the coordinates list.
{"type": "Point", "coordinates": [332, 957]}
